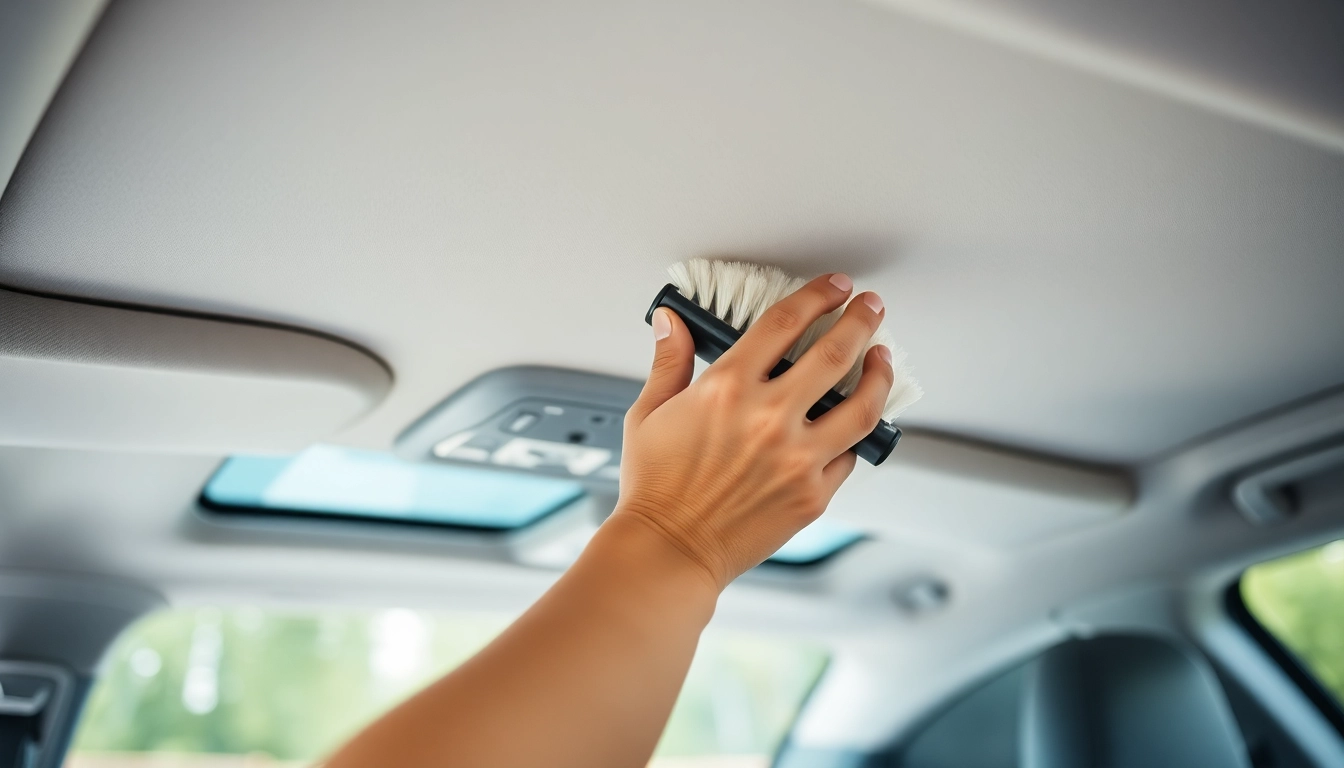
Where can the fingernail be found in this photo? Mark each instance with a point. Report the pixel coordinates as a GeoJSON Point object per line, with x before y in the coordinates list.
{"type": "Point", "coordinates": [662, 325]}
{"type": "Point", "coordinates": [873, 301]}
{"type": "Point", "coordinates": [841, 280]}
{"type": "Point", "coordinates": [883, 353]}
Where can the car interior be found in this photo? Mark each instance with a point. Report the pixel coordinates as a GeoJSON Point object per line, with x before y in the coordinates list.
{"type": "Point", "coordinates": [318, 321]}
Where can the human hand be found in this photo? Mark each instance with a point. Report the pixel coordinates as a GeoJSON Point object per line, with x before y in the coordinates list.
{"type": "Point", "coordinates": [729, 468]}
{"type": "Point", "coordinates": [715, 477]}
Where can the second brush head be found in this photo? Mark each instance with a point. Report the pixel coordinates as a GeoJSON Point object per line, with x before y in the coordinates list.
{"type": "Point", "coordinates": [718, 300]}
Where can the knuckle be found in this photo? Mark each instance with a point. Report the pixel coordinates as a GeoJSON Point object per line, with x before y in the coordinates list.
{"type": "Point", "coordinates": [835, 353]}
{"type": "Point", "coordinates": [665, 358]}
{"type": "Point", "coordinates": [784, 317]}
{"type": "Point", "coordinates": [866, 413]}
{"type": "Point", "coordinates": [817, 290]}
{"type": "Point", "coordinates": [887, 373]}
{"type": "Point", "coordinates": [721, 387]}
{"type": "Point", "coordinates": [799, 466]}
{"type": "Point", "coordinates": [766, 427]}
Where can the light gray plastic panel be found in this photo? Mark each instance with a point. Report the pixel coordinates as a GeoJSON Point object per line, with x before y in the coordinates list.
{"type": "Point", "coordinates": [552, 421]}
{"type": "Point", "coordinates": [944, 488]}
{"type": "Point", "coordinates": [81, 375]}
{"type": "Point", "coordinates": [1277, 493]}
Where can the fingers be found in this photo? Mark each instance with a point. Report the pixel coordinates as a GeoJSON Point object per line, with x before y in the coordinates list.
{"type": "Point", "coordinates": [835, 473]}
{"type": "Point", "coordinates": [831, 357]}
{"type": "Point", "coordinates": [768, 339]}
{"type": "Point", "coordinates": [848, 423]}
{"type": "Point", "coordinates": [673, 364]}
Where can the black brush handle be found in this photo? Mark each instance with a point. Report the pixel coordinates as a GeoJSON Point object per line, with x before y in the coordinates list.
{"type": "Point", "coordinates": [713, 337]}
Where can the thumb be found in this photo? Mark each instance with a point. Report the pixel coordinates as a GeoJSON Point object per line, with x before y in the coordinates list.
{"type": "Point", "coordinates": [673, 363]}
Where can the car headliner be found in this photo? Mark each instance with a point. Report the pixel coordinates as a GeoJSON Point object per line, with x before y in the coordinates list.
{"type": "Point", "coordinates": [1106, 249]}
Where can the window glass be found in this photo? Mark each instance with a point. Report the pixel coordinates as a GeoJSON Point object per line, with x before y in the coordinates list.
{"type": "Point", "coordinates": [256, 688]}
{"type": "Point", "coordinates": [328, 480]}
{"type": "Point", "coordinates": [1300, 600]}
{"type": "Point", "coordinates": [817, 541]}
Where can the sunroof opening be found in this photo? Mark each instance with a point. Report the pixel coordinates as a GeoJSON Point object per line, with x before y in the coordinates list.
{"type": "Point", "coordinates": [819, 541]}
{"type": "Point", "coordinates": [326, 481]}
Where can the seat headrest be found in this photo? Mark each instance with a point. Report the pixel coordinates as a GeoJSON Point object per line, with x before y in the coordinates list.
{"type": "Point", "coordinates": [1126, 702]}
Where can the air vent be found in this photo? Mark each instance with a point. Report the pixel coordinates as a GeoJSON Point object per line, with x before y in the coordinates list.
{"type": "Point", "coordinates": [1292, 487]}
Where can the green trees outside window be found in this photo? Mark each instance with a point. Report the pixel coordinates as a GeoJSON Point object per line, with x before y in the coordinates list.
{"type": "Point", "coordinates": [1300, 600]}
{"type": "Point", "coordinates": [189, 688]}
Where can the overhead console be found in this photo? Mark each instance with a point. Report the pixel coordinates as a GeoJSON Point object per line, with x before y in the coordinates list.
{"type": "Point", "coordinates": [83, 375]}
{"type": "Point", "coordinates": [550, 421]}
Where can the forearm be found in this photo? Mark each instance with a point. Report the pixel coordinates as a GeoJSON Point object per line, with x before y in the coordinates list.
{"type": "Point", "coordinates": [715, 476]}
{"type": "Point", "coordinates": [585, 678]}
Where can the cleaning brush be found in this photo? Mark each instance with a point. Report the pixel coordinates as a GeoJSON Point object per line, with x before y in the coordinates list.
{"type": "Point", "coordinates": [718, 300]}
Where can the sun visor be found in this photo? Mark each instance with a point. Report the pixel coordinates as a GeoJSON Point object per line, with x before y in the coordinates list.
{"type": "Point", "coordinates": [80, 375]}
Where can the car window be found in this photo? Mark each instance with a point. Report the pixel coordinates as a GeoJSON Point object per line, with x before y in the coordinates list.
{"type": "Point", "coordinates": [255, 688]}
{"type": "Point", "coordinates": [1299, 600]}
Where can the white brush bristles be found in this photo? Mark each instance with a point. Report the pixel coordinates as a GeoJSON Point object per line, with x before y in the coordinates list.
{"type": "Point", "coordinates": [739, 293]}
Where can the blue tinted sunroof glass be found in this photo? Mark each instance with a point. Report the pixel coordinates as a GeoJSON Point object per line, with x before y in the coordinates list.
{"type": "Point", "coordinates": [331, 480]}
{"type": "Point", "coordinates": [817, 541]}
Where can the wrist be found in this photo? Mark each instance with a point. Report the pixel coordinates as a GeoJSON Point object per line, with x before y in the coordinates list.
{"type": "Point", "coordinates": [636, 552]}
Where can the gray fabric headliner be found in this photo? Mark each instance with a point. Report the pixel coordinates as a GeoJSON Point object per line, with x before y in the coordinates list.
{"type": "Point", "coordinates": [1073, 264]}
{"type": "Point", "coordinates": [38, 40]}
{"type": "Point", "coordinates": [1078, 258]}
{"type": "Point", "coordinates": [1277, 64]}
